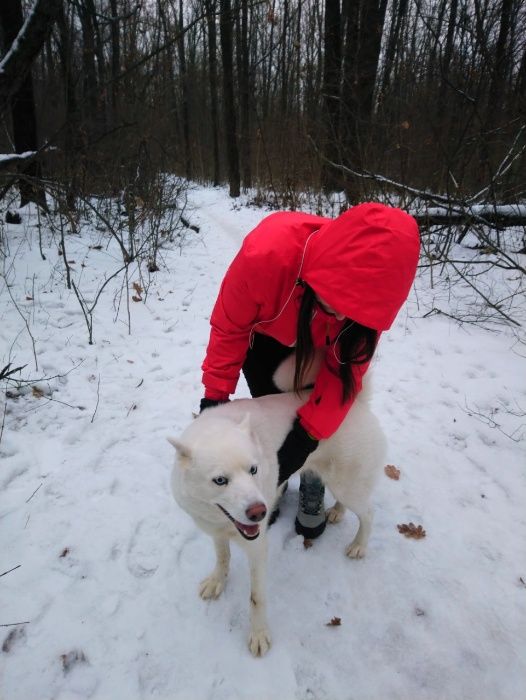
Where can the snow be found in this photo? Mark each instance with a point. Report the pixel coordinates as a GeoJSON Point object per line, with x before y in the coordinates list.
{"type": "Point", "coordinates": [6, 157]}
{"type": "Point", "coordinates": [105, 592]}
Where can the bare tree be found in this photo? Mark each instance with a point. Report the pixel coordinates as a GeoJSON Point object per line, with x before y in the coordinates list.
{"type": "Point", "coordinates": [185, 93]}
{"type": "Point", "coordinates": [23, 113]}
{"type": "Point", "coordinates": [331, 89]}
{"type": "Point", "coordinates": [244, 97]}
{"type": "Point", "coordinates": [229, 110]}
{"type": "Point", "coordinates": [211, 6]}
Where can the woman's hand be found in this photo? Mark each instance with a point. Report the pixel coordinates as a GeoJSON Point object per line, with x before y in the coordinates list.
{"type": "Point", "coordinates": [293, 453]}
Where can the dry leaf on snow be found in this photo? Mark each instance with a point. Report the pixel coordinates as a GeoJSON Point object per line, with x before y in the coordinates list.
{"type": "Point", "coordinates": [392, 472]}
{"type": "Point", "coordinates": [73, 658]}
{"type": "Point", "coordinates": [335, 622]}
{"type": "Point", "coordinates": [412, 530]}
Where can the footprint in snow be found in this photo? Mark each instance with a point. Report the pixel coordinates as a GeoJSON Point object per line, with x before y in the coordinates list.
{"type": "Point", "coordinates": [144, 549]}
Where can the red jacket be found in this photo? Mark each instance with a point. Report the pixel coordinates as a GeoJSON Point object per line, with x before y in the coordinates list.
{"type": "Point", "coordinates": [362, 264]}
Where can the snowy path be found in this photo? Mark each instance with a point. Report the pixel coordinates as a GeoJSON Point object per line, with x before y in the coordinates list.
{"type": "Point", "coordinates": [109, 567]}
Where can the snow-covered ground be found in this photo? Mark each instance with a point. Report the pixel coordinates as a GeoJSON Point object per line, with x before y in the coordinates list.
{"type": "Point", "coordinates": [103, 601]}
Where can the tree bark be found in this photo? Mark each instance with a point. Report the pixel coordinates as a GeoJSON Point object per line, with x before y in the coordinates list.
{"type": "Point", "coordinates": [244, 98]}
{"type": "Point", "coordinates": [232, 151]}
{"type": "Point", "coordinates": [24, 121]}
{"type": "Point", "coordinates": [16, 64]}
{"type": "Point", "coordinates": [212, 76]}
{"type": "Point", "coordinates": [89, 73]}
{"type": "Point", "coordinates": [364, 28]}
{"type": "Point", "coordinates": [74, 144]}
{"type": "Point", "coordinates": [399, 12]}
{"type": "Point", "coordinates": [446, 61]}
{"type": "Point", "coordinates": [185, 95]}
{"type": "Point", "coordinates": [115, 61]}
{"type": "Point", "coordinates": [500, 67]}
{"type": "Point", "coordinates": [331, 91]}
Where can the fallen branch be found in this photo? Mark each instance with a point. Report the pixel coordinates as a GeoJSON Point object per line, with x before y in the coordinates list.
{"type": "Point", "coordinates": [446, 209]}
{"type": "Point", "coordinates": [498, 216]}
{"type": "Point", "coordinates": [9, 159]}
{"type": "Point", "coordinates": [9, 571]}
{"type": "Point", "coordinates": [486, 299]}
{"type": "Point", "coordinates": [37, 488]}
{"type": "Point", "coordinates": [7, 372]}
{"type": "Point", "coordinates": [14, 624]}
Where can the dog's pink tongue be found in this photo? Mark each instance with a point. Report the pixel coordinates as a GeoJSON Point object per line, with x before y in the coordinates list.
{"type": "Point", "coordinates": [249, 530]}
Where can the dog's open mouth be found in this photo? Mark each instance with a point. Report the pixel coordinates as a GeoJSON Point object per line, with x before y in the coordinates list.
{"type": "Point", "coordinates": [249, 532]}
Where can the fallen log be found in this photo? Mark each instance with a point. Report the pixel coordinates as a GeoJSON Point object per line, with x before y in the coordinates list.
{"type": "Point", "coordinates": [497, 216]}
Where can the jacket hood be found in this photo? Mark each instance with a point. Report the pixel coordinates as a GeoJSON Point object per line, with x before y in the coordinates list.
{"type": "Point", "coordinates": [363, 263]}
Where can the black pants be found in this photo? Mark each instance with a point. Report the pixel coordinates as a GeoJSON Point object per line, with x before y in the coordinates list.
{"type": "Point", "coordinates": [263, 358]}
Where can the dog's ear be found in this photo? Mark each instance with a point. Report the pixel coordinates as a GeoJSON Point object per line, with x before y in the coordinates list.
{"type": "Point", "coordinates": [182, 450]}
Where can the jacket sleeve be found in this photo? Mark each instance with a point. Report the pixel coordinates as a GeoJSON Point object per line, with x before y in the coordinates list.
{"type": "Point", "coordinates": [324, 412]}
{"type": "Point", "coordinates": [233, 316]}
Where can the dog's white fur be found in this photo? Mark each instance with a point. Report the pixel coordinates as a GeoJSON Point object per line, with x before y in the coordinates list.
{"type": "Point", "coordinates": [228, 440]}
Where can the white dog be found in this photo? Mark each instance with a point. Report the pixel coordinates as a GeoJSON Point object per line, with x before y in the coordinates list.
{"type": "Point", "coordinates": [226, 476]}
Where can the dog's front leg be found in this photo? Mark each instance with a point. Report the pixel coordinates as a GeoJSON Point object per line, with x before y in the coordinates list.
{"type": "Point", "coordinates": [259, 638]}
{"type": "Point", "coordinates": [212, 586]}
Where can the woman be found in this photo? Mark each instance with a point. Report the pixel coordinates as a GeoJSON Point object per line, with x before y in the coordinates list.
{"type": "Point", "coordinates": [303, 283]}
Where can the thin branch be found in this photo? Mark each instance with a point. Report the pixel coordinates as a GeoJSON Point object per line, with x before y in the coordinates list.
{"type": "Point", "coordinates": [15, 624]}
{"type": "Point", "coordinates": [26, 323]}
{"type": "Point", "coordinates": [37, 489]}
{"type": "Point", "coordinates": [97, 404]}
{"type": "Point", "coordinates": [488, 301]}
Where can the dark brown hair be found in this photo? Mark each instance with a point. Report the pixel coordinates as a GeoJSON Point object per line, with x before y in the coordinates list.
{"type": "Point", "coordinates": [356, 346]}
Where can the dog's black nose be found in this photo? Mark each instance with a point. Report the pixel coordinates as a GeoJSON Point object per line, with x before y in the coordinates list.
{"type": "Point", "coordinates": [256, 512]}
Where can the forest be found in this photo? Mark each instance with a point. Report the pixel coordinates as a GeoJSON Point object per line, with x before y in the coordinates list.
{"type": "Point", "coordinates": [423, 99]}
{"type": "Point", "coordinates": [141, 141]}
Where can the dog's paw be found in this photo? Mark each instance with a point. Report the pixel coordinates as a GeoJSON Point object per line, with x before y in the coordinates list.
{"type": "Point", "coordinates": [335, 515]}
{"type": "Point", "coordinates": [259, 642]}
{"type": "Point", "coordinates": [356, 550]}
{"type": "Point", "coordinates": [212, 587]}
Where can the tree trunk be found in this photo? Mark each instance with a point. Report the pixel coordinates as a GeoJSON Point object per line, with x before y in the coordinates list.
{"type": "Point", "coordinates": [244, 98]}
{"type": "Point", "coordinates": [500, 66]}
{"type": "Point", "coordinates": [232, 152]}
{"type": "Point", "coordinates": [74, 145]}
{"type": "Point", "coordinates": [283, 69]}
{"type": "Point", "coordinates": [371, 29]}
{"type": "Point", "coordinates": [23, 113]}
{"type": "Point", "coordinates": [89, 73]}
{"type": "Point", "coordinates": [496, 96]}
{"type": "Point", "coordinates": [212, 76]}
{"type": "Point", "coordinates": [16, 64]}
{"type": "Point", "coordinates": [446, 61]}
{"type": "Point", "coordinates": [350, 109]}
{"type": "Point", "coordinates": [331, 92]}
{"type": "Point", "coordinates": [185, 95]}
{"type": "Point", "coordinates": [399, 12]}
{"type": "Point", "coordinates": [365, 22]}
{"type": "Point", "coordinates": [115, 61]}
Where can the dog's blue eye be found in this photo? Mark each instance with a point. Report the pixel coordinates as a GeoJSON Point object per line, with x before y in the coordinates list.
{"type": "Point", "coordinates": [253, 469]}
{"type": "Point", "coordinates": [220, 480]}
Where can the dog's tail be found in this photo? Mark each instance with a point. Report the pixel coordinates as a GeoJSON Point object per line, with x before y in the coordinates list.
{"type": "Point", "coordinates": [284, 376]}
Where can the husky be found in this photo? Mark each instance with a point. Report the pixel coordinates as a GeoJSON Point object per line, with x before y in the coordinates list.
{"type": "Point", "coordinates": [226, 477]}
